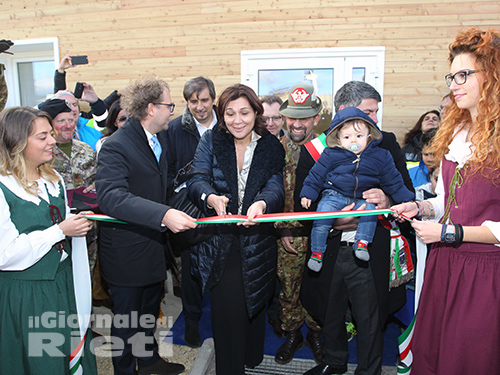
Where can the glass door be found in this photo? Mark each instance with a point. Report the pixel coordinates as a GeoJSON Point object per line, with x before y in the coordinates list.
{"type": "Point", "coordinates": [327, 69]}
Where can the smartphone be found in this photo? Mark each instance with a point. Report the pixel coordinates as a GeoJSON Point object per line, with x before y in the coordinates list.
{"type": "Point", "coordinates": [78, 90]}
{"type": "Point", "coordinates": [79, 60]}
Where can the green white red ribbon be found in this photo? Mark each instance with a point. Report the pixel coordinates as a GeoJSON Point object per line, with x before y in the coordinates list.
{"type": "Point", "coordinates": [100, 217]}
{"type": "Point", "coordinates": [83, 297]}
{"type": "Point", "coordinates": [404, 344]}
{"type": "Point", "coordinates": [265, 218]}
{"type": "Point", "coordinates": [289, 216]}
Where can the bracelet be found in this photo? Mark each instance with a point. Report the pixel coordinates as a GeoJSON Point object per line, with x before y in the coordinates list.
{"type": "Point", "coordinates": [459, 234]}
{"type": "Point", "coordinates": [443, 232]}
{"type": "Point", "coordinates": [431, 208]}
{"type": "Point", "coordinates": [419, 208]}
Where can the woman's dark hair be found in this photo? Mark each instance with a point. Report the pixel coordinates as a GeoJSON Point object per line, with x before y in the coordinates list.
{"type": "Point", "coordinates": [417, 129]}
{"type": "Point", "coordinates": [114, 110]}
{"type": "Point", "coordinates": [235, 92]}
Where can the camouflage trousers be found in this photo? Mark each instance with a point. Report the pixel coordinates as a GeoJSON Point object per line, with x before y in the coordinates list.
{"type": "Point", "coordinates": [290, 271]}
{"type": "Point", "coordinates": [91, 238]}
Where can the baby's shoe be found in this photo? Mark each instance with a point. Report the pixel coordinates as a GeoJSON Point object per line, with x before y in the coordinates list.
{"type": "Point", "coordinates": [315, 262]}
{"type": "Point", "coordinates": [361, 250]}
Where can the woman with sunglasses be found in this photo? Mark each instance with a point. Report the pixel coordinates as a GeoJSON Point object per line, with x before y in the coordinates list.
{"type": "Point", "coordinates": [457, 328]}
{"type": "Point", "coordinates": [116, 118]}
{"type": "Point", "coordinates": [38, 315]}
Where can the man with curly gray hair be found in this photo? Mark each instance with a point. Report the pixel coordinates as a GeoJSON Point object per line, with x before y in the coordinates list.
{"type": "Point", "coordinates": [131, 186]}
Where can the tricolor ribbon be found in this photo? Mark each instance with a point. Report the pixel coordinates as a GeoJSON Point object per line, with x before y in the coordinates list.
{"type": "Point", "coordinates": [404, 344]}
{"type": "Point", "coordinates": [267, 218]}
{"type": "Point", "coordinates": [290, 216]}
{"type": "Point", "coordinates": [83, 297]}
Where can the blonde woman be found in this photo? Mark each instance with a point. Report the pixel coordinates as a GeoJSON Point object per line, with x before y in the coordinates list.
{"type": "Point", "coordinates": [37, 297]}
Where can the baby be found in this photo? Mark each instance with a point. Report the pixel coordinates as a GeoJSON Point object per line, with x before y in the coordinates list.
{"type": "Point", "coordinates": [351, 164]}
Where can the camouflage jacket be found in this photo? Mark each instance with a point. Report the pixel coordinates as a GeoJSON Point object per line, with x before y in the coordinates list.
{"type": "Point", "coordinates": [292, 154]}
{"type": "Point", "coordinates": [78, 171]}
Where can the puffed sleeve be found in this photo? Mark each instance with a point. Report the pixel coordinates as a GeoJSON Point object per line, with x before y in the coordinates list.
{"type": "Point", "coordinates": [20, 251]}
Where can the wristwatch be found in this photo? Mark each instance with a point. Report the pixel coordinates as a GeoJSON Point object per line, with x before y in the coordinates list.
{"type": "Point", "coordinates": [448, 233]}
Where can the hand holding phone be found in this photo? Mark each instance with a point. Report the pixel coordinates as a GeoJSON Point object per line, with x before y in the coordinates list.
{"type": "Point", "coordinates": [78, 90]}
{"type": "Point", "coordinates": [79, 60]}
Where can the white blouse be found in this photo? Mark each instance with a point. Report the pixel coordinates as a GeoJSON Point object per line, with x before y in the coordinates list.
{"type": "Point", "coordinates": [20, 251]}
{"type": "Point", "coordinates": [243, 174]}
{"type": "Point", "coordinates": [460, 152]}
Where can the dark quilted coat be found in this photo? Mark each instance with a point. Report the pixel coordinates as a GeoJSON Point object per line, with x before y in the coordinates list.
{"type": "Point", "coordinates": [215, 172]}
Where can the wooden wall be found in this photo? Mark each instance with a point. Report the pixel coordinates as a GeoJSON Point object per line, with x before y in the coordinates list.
{"type": "Point", "coordinates": [181, 39]}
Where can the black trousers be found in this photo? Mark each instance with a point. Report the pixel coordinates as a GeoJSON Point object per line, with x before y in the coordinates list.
{"type": "Point", "coordinates": [130, 304]}
{"type": "Point", "coordinates": [239, 340]}
{"type": "Point", "coordinates": [353, 282]}
{"type": "Point", "coordinates": [192, 298]}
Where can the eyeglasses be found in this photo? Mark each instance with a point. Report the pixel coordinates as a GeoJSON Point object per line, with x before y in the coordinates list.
{"type": "Point", "coordinates": [171, 105]}
{"type": "Point", "coordinates": [276, 119]}
{"type": "Point", "coordinates": [459, 77]}
{"type": "Point", "coordinates": [122, 119]}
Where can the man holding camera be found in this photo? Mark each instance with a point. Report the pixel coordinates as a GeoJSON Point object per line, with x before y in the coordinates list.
{"type": "Point", "coordinates": [88, 124]}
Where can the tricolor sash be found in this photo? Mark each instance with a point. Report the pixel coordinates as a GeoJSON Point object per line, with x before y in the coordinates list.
{"type": "Point", "coordinates": [83, 296]}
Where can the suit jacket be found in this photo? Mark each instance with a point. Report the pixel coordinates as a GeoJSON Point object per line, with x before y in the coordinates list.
{"type": "Point", "coordinates": [132, 186]}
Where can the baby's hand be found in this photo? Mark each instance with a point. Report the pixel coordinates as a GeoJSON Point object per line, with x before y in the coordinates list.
{"type": "Point", "coordinates": [305, 202]}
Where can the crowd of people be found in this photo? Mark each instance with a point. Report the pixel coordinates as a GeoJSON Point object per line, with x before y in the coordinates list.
{"type": "Point", "coordinates": [246, 155]}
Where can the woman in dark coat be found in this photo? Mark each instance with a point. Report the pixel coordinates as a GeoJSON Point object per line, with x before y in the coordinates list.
{"type": "Point", "coordinates": [238, 170]}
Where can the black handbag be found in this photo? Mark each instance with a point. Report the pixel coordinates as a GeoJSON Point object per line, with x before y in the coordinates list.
{"type": "Point", "coordinates": [178, 199]}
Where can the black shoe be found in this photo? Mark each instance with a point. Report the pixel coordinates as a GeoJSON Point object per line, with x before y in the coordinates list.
{"type": "Point", "coordinates": [277, 330]}
{"type": "Point", "coordinates": [293, 342]}
{"type": "Point", "coordinates": [192, 336]}
{"type": "Point", "coordinates": [162, 367]}
{"type": "Point", "coordinates": [315, 343]}
{"type": "Point", "coordinates": [324, 369]}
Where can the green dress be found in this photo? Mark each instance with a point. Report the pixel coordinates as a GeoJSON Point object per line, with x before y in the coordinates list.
{"type": "Point", "coordinates": [38, 321]}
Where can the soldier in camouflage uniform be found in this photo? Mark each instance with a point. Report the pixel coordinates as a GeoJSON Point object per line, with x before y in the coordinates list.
{"type": "Point", "coordinates": [302, 114]}
{"type": "Point", "coordinates": [74, 160]}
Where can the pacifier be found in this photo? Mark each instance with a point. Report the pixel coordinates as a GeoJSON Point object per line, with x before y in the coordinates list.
{"type": "Point", "coordinates": [354, 147]}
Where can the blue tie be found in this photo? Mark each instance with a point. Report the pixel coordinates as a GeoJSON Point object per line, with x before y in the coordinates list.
{"type": "Point", "coordinates": [156, 147]}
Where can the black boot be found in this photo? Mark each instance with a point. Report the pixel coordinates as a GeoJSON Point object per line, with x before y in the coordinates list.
{"type": "Point", "coordinates": [315, 343]}
{"type": "Point", "coordinates": [286, 352]}
{"type": "Point", "coordinates": [192, 336]}
{"type": "Point", "coordinates": [278, 331]}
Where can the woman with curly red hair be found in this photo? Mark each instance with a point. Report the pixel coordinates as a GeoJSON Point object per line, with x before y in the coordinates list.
{"type": "Point", "coordinates": [457, 330]}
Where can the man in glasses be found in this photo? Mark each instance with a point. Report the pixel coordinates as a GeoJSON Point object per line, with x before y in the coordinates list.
{"type": "Point", "coordinates": [302, 113]}
{"type": "Point", "coordinates": [272, 116]}
{"type": "Point", "coordinates": [131, 186]}
{"type": "Point", "coordinates": [183, 135]}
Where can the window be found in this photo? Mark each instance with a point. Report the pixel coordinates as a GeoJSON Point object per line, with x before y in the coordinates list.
{"type": "Point", "coordinates": [30, 70]}
{"type": "Point", "coordinates": [276, 71]}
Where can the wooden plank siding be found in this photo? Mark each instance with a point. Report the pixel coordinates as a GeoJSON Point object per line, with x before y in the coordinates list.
{"type": "Point", "coordinates": [181, 39]}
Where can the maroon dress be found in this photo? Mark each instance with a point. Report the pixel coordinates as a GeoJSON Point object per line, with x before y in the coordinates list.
{"type": "Point", "coordinates": [457, 330]}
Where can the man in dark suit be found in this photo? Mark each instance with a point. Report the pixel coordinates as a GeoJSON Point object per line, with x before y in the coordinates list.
{"type": "Point", "coordinates": [344, 279]}
{"type": "Point", "coordinates": [131, 186]}
{"type": "Point", "coordinates": [183, 135]}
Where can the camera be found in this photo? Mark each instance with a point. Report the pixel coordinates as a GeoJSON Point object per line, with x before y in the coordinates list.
{"type": "Point", "coordinates": [78, 90]}
{"type": "Point", "coordinates": [79, 60]}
